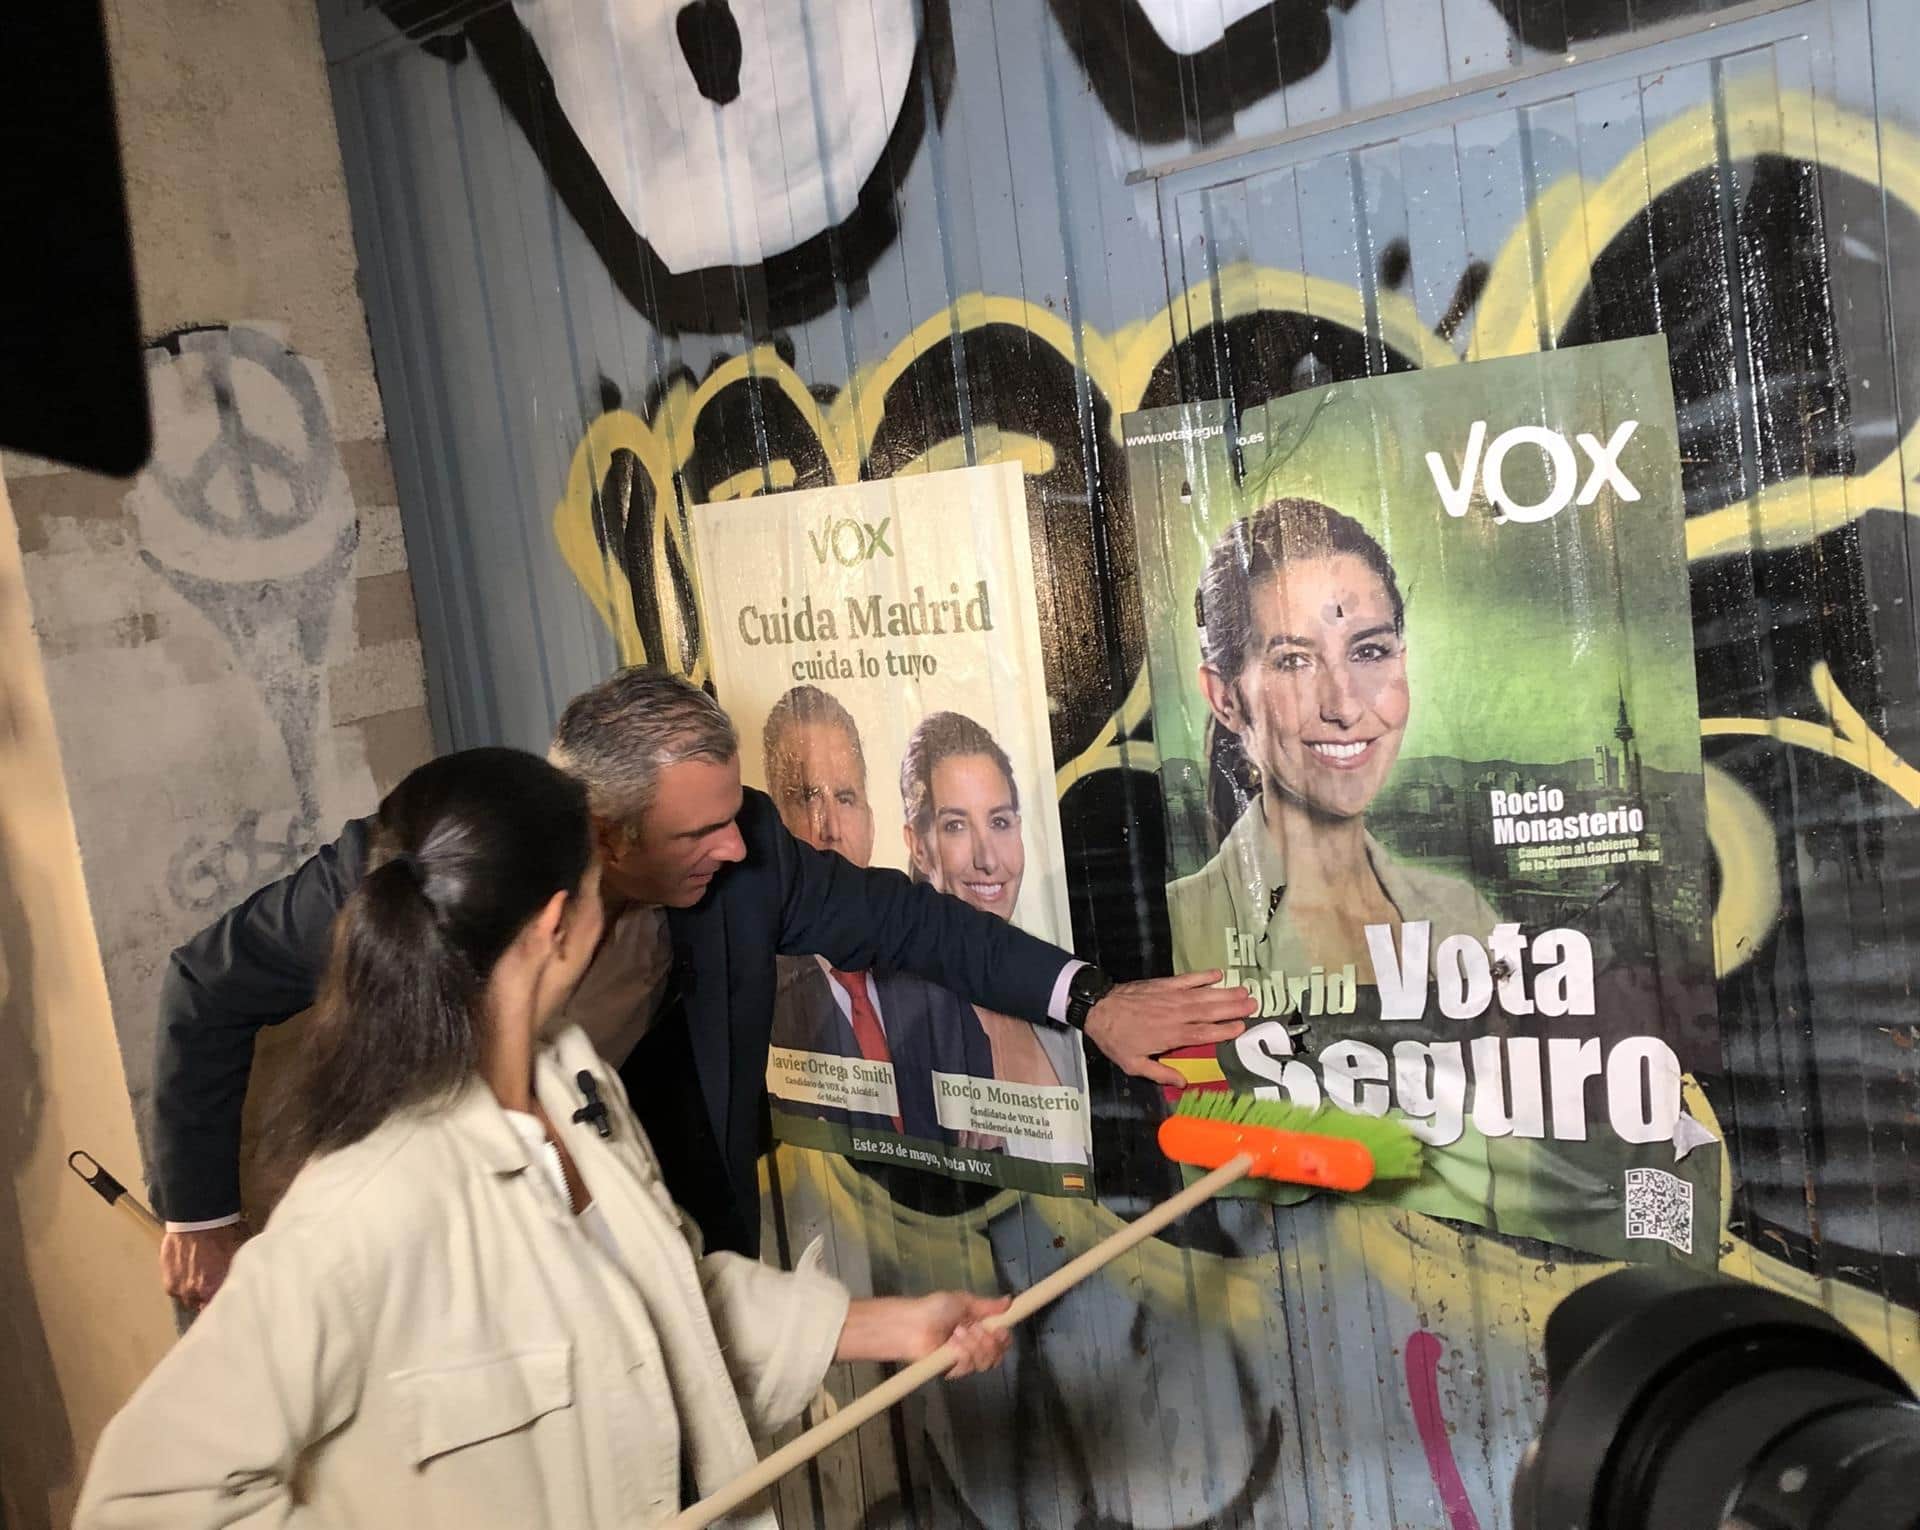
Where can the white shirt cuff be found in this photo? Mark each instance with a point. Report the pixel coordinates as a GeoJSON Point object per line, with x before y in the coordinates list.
{"type": "Point", "coordinates": [208, 1226]}
{"type": "Point", "coordinates": [1057, 1006]}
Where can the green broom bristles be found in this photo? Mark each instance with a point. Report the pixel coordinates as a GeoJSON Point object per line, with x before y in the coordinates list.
{"type": "Point", "coordinates": [1396, 1151]}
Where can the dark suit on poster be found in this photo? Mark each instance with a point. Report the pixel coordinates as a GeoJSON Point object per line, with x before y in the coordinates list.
{"type": "Point", "coordinates": [698, 1079]}
{"type": "Point", "coordinates": [929, 1030]}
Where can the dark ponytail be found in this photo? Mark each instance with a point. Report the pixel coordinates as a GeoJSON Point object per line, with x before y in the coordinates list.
{"type": "Point", "coordinates": [468, 849]}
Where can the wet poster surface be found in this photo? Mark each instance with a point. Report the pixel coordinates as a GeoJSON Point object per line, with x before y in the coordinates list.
{"type": "Point", "coordinates": [1423, 692]}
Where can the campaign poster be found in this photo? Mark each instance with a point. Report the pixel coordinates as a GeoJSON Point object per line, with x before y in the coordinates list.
{"type": "Point", "coordinates": [1421, 658]}
{"type": "Point", "coordinates": [878, 646]}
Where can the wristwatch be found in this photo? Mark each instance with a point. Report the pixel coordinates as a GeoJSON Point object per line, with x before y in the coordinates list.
{"type": "Point", "coordinates": [1086, 988]}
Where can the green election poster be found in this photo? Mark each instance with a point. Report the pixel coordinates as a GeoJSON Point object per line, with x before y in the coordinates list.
{"type": "Point", "coordinates": [1423, 697]}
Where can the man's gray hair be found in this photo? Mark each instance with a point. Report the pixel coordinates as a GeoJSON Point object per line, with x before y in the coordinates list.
{"type": "Point", "coordinates": [619, 736]}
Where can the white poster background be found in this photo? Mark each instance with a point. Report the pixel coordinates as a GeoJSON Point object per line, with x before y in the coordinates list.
{"type": "Point", "coordinates": [947, 532]}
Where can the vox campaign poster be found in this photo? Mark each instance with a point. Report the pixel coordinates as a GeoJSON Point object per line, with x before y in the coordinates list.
{"type": "Point", "coordinates": [1422, 667]}
{"type": "Point", "coordinates": [878, 647]}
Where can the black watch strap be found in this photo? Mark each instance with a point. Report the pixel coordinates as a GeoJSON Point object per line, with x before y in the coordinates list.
{"type": "Point", "coordinates": [1086, 988]}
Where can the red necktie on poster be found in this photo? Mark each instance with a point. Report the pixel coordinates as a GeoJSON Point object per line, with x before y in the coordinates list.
{"type": "Point", "coordinates": [866, 1024]}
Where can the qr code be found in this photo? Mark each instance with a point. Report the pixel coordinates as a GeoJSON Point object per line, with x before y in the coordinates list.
{"type": "Point", "coordinates": [1660, 1205]}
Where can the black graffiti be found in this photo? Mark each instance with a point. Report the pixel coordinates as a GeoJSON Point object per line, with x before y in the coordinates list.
{"type": "Point", "coordinates": [1160, 96]}
{"type": "Point", "coordinates": [203, 875]}
{"type": "Point", "coordinates": [246, 457]}
{"type": "Point", "coordinates": [1739, 271]}
{"type": "Point", "coordinates": [784, 290]}
{"type": "Point", "coordinates": [1149, 90]}
{"type": "Point", "coordinates": [710, 42]}
{"type": "Point", "coordinates": [1553, 26]}
{"type": "Point", "coordinates": [1396, 264]}
{"type": "Point", "coordinates": [624, 513]}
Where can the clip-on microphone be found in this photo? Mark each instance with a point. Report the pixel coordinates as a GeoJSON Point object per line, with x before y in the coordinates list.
{"type": "Point", "coordinates": [595, 1110]}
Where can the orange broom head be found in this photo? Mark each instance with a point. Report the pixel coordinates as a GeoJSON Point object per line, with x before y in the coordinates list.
{"type": "Point", "coordinates": [1322, 1146]}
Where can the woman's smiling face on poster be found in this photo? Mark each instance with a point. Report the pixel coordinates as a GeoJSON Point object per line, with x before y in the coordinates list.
{"type": "Point", "coordinates": [973, 848]}
{"type": "Point", "coordinates": [1321, 703]}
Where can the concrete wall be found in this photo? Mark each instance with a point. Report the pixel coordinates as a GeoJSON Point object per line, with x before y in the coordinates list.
{"type": "Point", "coordinates": [230, 640]}
{"type": "Point", "coordinates": [230, 655]}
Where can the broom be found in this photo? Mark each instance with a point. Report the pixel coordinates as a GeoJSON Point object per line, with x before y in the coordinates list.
{"type": "Point", "coordinates": [1230, 1135]}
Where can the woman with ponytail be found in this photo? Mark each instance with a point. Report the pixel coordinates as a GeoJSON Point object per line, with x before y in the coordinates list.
{"type": "Point", "coordinates": [476, 1304]}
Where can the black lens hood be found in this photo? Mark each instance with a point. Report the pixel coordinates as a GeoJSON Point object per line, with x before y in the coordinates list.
{"type": "Point", "coordinates": [1615, 1344]}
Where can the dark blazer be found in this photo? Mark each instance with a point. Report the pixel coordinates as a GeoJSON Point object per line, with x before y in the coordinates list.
{"type": "Point", "coordinates": [698, 1080]}
{"type": "Point", "coordinates": [929, 1030]}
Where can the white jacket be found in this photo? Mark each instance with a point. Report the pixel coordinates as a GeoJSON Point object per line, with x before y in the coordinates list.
{"type": "Point", "coordinates": [417, 1340]}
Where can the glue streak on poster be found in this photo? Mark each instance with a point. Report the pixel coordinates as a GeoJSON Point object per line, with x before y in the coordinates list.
{"type": "Point", "coordinates": [878, 647]}
{"type": "Point", "coordinates": [1420, 649]}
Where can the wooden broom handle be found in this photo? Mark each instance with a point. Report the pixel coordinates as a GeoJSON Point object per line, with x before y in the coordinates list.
{"type": "Point", "coordinates": [803, 1448]}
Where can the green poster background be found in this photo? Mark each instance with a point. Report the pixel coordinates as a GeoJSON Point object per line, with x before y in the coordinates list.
{"type": "Point", "coordinates": [1553, 652]}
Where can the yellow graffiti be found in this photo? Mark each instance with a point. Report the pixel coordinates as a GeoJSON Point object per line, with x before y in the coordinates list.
{"type": "Point", "coordinates": [1519, 310]}
{"type": "Point", "coordinates": [1742, 840]}
{"type": "Point", "coordinates": [1523, 309]}
{"type": "Point", "coordinates": [1738, 827]}
{"type": "Point", "coordinates": [1793, 514]}
{"type": "Point", "coordinates": [1115, 749]}
{"type": "Point", "coordinates": [777, 475]}
{"type": "Point", "coordinates": [1847, 738]}
{"type": "Point", "coordinates": [1120, 367]}
{"type": "Point", "coordinates": [1036, 457]}
{"type": "Point", "coordinates": [598, 569]}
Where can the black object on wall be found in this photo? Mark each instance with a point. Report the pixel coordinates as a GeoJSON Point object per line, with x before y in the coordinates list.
{"type": "Point", "coordinates": [72, 382]}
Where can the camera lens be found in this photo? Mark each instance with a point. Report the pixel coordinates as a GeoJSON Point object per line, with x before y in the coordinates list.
{"type": "Point", "coordinates": [1859, 1468]}
{"type": "Point", "coordinates": [1677, 1403]}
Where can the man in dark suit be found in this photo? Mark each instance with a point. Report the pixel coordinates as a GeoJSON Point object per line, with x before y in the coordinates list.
{"type": "Point", "coordinates": [705, 887]}
{"type": "Point", "coordinates": [929, 1030]}
{"type": "Point", "coordinates": [816, 772]}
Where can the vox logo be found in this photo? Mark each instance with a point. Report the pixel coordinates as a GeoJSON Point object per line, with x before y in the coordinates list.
{"type": "Point", "coordinates": [1486, 466]}
{"type": "Point", "coordinates": [849, 542]}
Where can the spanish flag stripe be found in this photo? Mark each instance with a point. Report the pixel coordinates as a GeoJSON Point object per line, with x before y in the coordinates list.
{"type": "Point", "coordinates": [1196, 1070]}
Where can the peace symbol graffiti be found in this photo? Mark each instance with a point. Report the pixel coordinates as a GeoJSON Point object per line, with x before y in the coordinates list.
{"type": "Point", "coordinates": [249, 457]}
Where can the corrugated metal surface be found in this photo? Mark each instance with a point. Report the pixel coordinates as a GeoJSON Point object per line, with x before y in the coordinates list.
{"type": "Point", "coordinates": [1001, 287]}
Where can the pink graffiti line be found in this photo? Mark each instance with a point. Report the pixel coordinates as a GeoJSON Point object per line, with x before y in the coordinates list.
{"type": "Point", "coordinates": [1423, 1391]}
